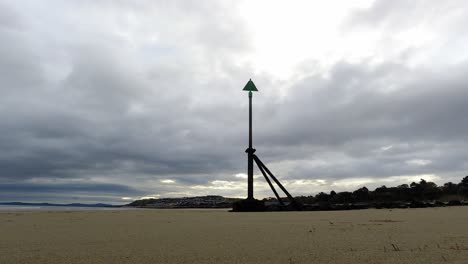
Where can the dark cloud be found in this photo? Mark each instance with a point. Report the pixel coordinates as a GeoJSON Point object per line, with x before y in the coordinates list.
{"type": "Point", "coordinates": [71, 192]}
{"type": "Point", "coordinates": [54, 188]}
{"type": "Point", "coordinates": [356, 102]}
{"type": "Point", "coordinates": [97, 111]}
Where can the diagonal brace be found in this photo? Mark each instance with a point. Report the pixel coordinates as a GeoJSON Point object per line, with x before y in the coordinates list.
{"type": "Point", "coordinates": [269, 183]}
{"type": "Point", "coordinates": [261, 165]}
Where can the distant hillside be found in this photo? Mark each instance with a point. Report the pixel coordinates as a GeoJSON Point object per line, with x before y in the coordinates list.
{"type": "Point", "coordinates": [210, 201]}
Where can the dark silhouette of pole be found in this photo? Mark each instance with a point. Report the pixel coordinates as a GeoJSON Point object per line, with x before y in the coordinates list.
{"type": "Point", "coordinates": [250, 120]}
{"type": "Point", "coordinates": [250, 204]}
{"type": "Point", "coordinates": [250, 152]}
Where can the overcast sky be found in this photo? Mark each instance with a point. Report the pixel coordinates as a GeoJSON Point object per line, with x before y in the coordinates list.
{"type": "Point", "coordinates": [110, 101]}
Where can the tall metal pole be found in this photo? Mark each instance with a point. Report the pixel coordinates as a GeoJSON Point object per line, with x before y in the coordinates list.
{"type": "Point", "coordinates": [250, 120]}
{"type": "Point", "coordinates": [250, 204]}
{"type": "Point", "coordinates": [250, 87]}
{"type": "Point", "coordinates": [250, 152]}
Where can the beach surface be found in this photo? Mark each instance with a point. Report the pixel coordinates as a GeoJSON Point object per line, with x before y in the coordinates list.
{"type": "Point", "coordinates": [430, 235]}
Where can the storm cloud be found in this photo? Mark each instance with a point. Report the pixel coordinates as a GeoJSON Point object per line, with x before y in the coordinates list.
{"type": "Point", "coordinates": [107, 100]}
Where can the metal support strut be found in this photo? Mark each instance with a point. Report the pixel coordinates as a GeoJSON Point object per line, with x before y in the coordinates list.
{"type": "Point", "coordinates": [269, 183]}
{"type": "Point", "coordinates": [264, 169]}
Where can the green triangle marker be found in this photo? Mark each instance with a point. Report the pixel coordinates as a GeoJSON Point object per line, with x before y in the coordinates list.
{"type": "Point", "coordinates": [250, 86]}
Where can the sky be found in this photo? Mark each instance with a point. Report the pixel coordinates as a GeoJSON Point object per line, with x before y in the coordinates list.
{"type": "Point", "coordinates": [112, 101]}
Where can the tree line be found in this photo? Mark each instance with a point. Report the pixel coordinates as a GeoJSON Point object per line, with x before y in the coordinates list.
{"type": "Point", "coordinates": [415, 192]}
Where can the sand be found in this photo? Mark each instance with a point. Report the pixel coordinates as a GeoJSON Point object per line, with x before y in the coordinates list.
{"type": "Point", "coordinates": [432, 235]}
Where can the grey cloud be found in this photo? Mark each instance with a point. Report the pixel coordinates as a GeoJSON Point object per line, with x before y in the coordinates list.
{"type": "Point", "coordinates": [351, 115]}
{"type": "Point", "coordinates": [82, 103]}
{"type": "Point", "coordinates": [84, 124]}
{"type": "Point", "coordinates": [349, 106]}
{"type": "Point", "coordinates": [72, 192]}
{"type": "Point", "coordinates": [101, 188]}
{"type": "Point", "coordinates": [403, 14]}
{"type": "Point", "coordinates": [9, 18]}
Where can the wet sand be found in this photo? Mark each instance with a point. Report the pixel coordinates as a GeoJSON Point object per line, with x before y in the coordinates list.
{"type": "Point", "coordinates": [432, 235]}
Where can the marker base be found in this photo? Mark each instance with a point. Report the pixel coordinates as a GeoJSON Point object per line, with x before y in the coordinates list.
{"type": "Point", "coordinates": [249, 205]}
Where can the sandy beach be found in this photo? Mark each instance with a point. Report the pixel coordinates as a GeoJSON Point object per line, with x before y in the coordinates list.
{"type": "Point", "coordinates": [432, 235]}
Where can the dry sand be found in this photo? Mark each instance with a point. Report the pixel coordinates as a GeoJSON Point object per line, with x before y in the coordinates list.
{"type": "Point", "coordinates": [432, 235]}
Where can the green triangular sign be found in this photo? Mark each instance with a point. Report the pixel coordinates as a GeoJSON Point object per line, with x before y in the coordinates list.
{"type": "Point", "coordinates": [250, 86]}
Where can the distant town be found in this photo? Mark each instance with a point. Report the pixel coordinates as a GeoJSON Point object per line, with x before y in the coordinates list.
{"type": "Point", "coordinates": [209, 201]}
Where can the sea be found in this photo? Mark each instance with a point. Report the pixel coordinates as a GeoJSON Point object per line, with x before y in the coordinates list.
{"type": "Point", "coordinates": [16, 208]}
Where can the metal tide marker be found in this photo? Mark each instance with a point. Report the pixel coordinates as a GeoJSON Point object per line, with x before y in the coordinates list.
{"type": "Point", "coordinates": [251, 204]}
{"type": "Point", "coordinates": [250, 86]}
